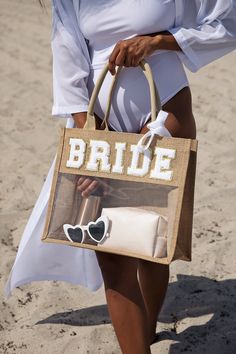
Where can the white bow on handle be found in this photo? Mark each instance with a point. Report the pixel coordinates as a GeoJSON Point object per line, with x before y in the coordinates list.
{"type": "Point", "coordinates": [157, 127]}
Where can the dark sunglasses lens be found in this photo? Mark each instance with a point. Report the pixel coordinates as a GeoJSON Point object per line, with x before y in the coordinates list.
{"type": "Point", "coordinates": [75, 234]}
{"type": "Point", "coordinates": [97, 230]}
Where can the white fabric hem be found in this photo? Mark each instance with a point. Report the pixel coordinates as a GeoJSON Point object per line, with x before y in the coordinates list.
{"type": "Point", "coordinates": [173, 93]}
{"type": "Point", "coordinates": [65, 111]}
{"type": "Point", "coordinates": [8, 288]}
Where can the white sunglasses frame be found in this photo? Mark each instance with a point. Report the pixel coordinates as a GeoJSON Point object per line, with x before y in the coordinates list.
{"type": "Point", "coordinates": [84, 228]}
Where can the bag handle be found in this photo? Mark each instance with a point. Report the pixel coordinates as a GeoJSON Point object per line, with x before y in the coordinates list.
{"type": "Point", "coordinates": [155, 98]}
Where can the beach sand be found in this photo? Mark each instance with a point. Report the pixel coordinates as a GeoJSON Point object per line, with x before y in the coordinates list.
{"type": "Point", "coordinates": [54, 317]}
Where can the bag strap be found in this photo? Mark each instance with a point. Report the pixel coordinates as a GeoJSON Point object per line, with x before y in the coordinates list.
{"type": "Point", "coordinates": [155, 99]}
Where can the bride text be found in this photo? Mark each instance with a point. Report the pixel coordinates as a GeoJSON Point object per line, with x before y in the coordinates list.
{"type": "Point", "coordinates": [140, 162]}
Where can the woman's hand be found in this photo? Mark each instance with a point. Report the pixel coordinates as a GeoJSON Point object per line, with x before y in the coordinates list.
{"type": "Point", "coordinates": [86, 185]}
{"type": "Point", "coordinates": [89, 185]}
{"type": "Point", "coordinates": [130, 52]}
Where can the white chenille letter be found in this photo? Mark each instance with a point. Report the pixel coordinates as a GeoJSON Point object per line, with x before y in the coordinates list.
{"type": "Point", "coordinates": [118, 166]}
{"type": "Point", "coordinates": [161, 169]}
{"type": "Point", "coordinates": [100, 151]}
{"type": "Point", "coordinates": [77, 150]}
{"type": "Point", "coordinates": [134, 170]}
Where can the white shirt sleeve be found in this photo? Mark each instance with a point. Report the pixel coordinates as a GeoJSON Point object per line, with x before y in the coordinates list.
{"type": "Point", "coordinates": [211, 36]}
{"type": "Point", "coordinates": [71, 64]}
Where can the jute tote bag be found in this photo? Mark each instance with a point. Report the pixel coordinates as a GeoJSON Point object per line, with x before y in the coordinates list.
{"type": "Point", "coordinates": [141, 204]}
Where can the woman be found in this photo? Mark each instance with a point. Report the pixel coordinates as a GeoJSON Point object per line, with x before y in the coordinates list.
{"type": "Point", "coordinates": [85, 35]}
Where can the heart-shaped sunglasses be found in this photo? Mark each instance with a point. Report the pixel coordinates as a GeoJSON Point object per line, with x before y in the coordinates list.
{"type": "Point", "coordinates": [96, 230]}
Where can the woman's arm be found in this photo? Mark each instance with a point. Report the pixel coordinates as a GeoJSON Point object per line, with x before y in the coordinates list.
{"type": "Point", "coordinates": [79, 119]}
{"type": "Point", "coordinates": [165, 41]}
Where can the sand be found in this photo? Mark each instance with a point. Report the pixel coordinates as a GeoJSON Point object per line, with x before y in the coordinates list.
{"type": "Point", "coordinates": [54, 317]}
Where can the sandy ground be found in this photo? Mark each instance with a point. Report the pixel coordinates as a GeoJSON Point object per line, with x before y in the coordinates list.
{"type": "Point", "coordinates": [53, 317]}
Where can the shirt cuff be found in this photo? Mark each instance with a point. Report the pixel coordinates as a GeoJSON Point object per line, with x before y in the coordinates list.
{"type": "Point", "coordinates": [65, 111]}
{"type": "Point", "coordinates": [187, 55]}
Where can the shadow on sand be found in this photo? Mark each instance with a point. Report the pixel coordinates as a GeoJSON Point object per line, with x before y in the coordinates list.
{"type": "Point", "coordinates": [189, 298]}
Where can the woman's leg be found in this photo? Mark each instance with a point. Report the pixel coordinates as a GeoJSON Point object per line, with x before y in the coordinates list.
{"type": "Point", "coordinates": [134, 304]}
{"type": "Point", "coordinates": [153, 278]}
{"type": "Point", "coordinates": [125, 302]}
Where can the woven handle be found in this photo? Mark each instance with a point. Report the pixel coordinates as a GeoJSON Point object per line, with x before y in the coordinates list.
{"type": "Point", "coordinates": [155, 99]}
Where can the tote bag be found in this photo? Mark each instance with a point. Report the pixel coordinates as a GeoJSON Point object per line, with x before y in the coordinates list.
{"type": "Point", "coordinates": [142, 202]}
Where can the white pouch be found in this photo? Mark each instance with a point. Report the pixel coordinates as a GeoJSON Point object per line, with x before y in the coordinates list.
{"type": "Point", "coordinates": [136, 230]}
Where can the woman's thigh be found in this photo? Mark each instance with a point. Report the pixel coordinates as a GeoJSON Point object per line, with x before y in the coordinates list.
{"type": "Point", "coordinates": [181, 122]}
